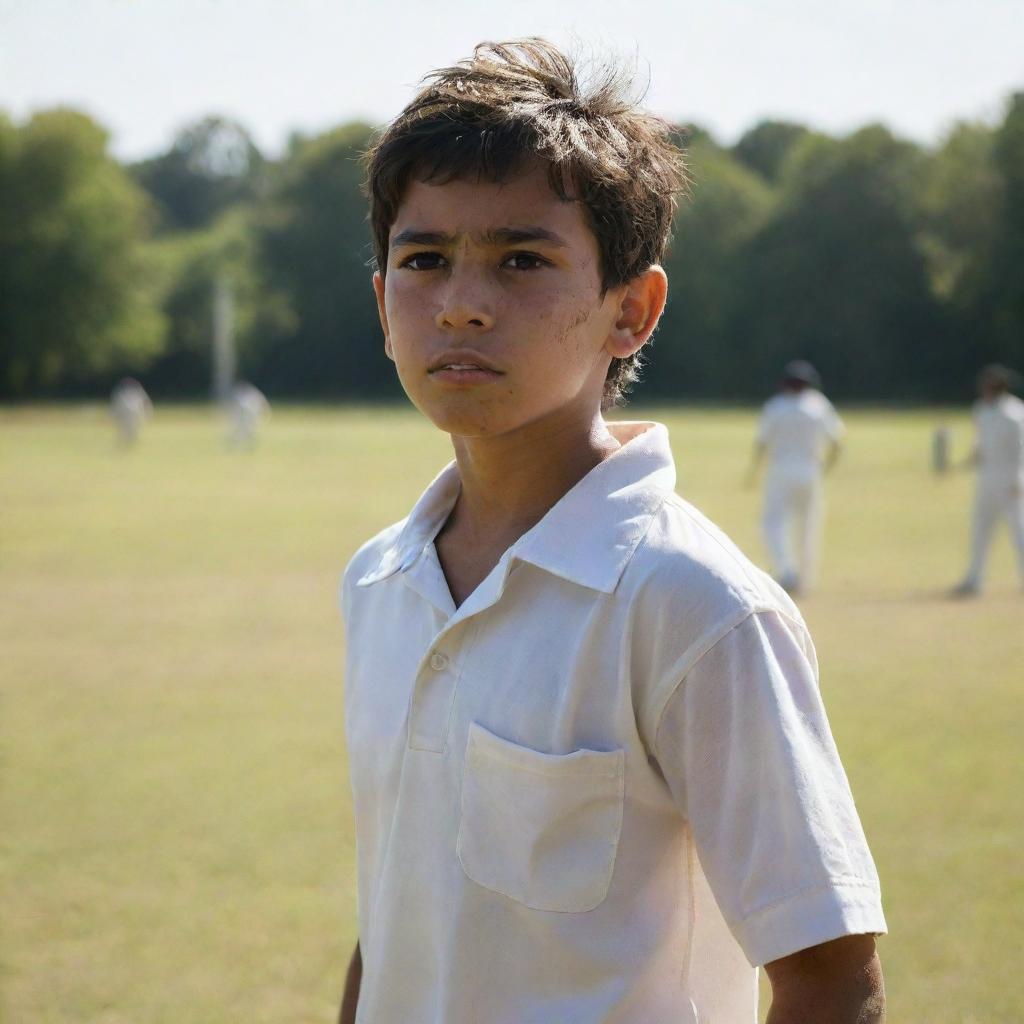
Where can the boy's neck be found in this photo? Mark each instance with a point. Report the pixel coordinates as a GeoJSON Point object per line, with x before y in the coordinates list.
{"type": "Point", "coordinates": [510, 482]}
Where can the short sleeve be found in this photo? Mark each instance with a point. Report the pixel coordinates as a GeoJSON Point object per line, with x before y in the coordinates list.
{"type": "Point", "coordinates": [746, 749]}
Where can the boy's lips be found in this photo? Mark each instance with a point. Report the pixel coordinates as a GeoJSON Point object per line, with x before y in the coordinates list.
{"type": "Point", "coordinates": [459, 363]}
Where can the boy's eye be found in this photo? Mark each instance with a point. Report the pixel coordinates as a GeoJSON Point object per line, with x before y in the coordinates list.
{"type": "Point", "coordinates": [423, 261]}
{"type": "Point", "coordinates": [525, 261]}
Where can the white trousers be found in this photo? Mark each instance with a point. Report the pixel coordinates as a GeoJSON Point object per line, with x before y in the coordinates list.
{"type": "Point", "coordinates": [995, 500]}
{"type": "Point", "coordinates": [791, 522]}
{"type": "Point", "coordinates": [243, 428]}
{"type": "Point", "coordinates": [128, 423]}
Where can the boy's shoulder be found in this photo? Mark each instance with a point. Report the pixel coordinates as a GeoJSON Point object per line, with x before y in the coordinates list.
{"type": "Point", "coordinates": [693, 572]}
{"type": "Point", "coordinates": [689, 586]}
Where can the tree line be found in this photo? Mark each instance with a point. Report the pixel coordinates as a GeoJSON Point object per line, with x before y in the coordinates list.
{"type": "Point", "coordinates": [897, 269]}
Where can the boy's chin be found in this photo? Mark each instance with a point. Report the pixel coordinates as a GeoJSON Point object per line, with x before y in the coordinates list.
{"type": "Point", "coordinates": [469, 420]}
{"type": "Point", "coordinates": [467, 426]}
{"type": "Point", "coordinates": [488, 419]}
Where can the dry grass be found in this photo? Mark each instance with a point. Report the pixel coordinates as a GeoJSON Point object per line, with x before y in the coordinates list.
{"type": "Point", "coordinates": [176, 840]}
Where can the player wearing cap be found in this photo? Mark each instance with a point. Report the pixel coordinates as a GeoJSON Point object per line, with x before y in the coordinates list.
{"type": "Point", "coordinates": [998, 457]}
{"type": "Point", "coordinates": [800, 433]}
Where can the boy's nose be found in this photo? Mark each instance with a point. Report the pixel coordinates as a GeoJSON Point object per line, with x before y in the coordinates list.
{"type": "Point", "coordinates": [465, 306]}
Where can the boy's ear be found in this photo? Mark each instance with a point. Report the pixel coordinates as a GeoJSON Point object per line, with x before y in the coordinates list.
{"type": "Point", "coordinates": [378, 290]}
{"type": "Point", "coordinates": [640, 309]}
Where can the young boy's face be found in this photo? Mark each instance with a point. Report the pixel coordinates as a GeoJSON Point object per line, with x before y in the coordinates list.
{"type": "Point", "coordinates": [492, 306]}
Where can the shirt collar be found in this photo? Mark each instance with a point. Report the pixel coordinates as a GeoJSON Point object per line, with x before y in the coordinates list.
{"type": "Point", "coordinates": [588, 536]}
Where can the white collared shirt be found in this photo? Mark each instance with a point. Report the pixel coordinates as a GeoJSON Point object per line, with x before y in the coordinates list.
{"type": "Point", "coordinates": [796, 428]}
{"type": "Point", "coordinates": [603, 787]}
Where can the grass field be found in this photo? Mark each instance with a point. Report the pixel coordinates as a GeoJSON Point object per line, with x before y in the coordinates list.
{"type": "Point", "coordinates": [175, 838]}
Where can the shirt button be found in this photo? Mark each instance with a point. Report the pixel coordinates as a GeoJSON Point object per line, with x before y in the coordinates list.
{"type": "Point", "coordinates": [438, 661]}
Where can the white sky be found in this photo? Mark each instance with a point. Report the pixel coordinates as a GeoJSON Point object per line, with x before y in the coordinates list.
{"type": "Point", "coordinates": [144, 68]}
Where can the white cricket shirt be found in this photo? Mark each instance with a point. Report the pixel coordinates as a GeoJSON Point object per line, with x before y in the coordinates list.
{"type": "Point", "coordinates": [603, 787]}
{"type": "Point", "coordinates": [796, 428]}
{"type": "Point", "coordinates": [1000, 426]}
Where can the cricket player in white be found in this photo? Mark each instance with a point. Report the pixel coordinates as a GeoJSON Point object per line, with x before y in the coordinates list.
{"type": "Point", "coordinates": [999, 460]}
{"type": "Point", "coordinates": [800, 433]}
{"type": "Point", "coordinates": [246, 407]}
{"type": "Point", "coordinates": [129, 407]}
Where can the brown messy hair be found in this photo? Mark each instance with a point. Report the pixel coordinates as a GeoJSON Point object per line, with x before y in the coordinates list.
{"type": "Point", "coordinates": [520, 100]}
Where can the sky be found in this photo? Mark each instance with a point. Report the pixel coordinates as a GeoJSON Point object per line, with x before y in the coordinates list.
{"type": "Point", "coordinates": [147, 68]}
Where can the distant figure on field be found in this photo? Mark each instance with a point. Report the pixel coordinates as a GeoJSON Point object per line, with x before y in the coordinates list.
{"type": "Point", "coordinates": [130, 407]}
{"type": "Point", "coordinates": [801, 433]}
{"type": "Point", "coordinates": [246, 406]}
{"type": "Point", "coordinates": [998, 458]}
{"type": "Point", "coordinates": [942, 446]}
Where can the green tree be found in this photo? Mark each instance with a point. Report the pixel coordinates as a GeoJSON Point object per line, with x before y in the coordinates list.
{"type": "Point", "coordinates": [766, 147]}
{"type": "Point", "coordinates": [693, 354]}
{"type": "Point", "coordinates": [961, 201]}
{"type": "Point", "coordinates": [315, 250]}
{"type": "Point", "coordinates": [75, 292]}
{"type": "Point", "coordinates": [998, 305]}
{"type": "Point", "coordinates": [211, 166]}
{"type": "Point", "coordinates": [190, 264]}
{"type": "Point", "coordinates": [838, 275]}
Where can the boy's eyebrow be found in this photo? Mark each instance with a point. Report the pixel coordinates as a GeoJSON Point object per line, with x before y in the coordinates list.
{"type": "Point", "coordinates": [412, 236]}
{"type": "Point", "coordinates": [495, 236]}
{"type": "Point", "coordinates": [518, 236]}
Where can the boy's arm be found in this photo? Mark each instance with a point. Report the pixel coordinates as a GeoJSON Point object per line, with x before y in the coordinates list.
{"type": "Point", "coordinates": [745, 747]}
{"type": "Point", "coordinates": [353, 979]}
{"type": "Point", "coordinates": [837, 982]}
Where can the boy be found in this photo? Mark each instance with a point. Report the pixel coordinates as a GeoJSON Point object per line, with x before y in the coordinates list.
{"type": "Point", "coordinates": [999, 458]}
{"type": "Point", "coordinates": [802, 435]}
{"type": "Point", "coordinates": [592, 778]}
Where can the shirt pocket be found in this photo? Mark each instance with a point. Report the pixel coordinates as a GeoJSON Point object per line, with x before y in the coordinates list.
{"type": "Point", "coordinates": [542, 829]}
